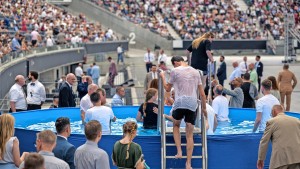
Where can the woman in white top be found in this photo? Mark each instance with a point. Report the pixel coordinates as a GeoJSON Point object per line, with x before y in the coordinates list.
{"type": "Point", "coordinates": [9, 145]}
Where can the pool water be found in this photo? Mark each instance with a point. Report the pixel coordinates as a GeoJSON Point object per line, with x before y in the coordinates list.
{"type": "Point", "coordinates": [233, 127]}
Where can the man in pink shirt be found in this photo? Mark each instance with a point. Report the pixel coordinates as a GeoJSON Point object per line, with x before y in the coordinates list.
{"type": "Point", "coordinates": [112, 72]}
{"type": "Point", "coordinates": [34, 37]}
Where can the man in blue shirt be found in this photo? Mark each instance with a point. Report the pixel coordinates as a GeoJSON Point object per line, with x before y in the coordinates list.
{"type": "Point", "coordinates": [95, 73]}
{"type": "Point", "coordinates": [15, 45]}
{"type": "Point", "coordinates": [236, 73]}
{"type": "Point", "coordinates": [117, 98]}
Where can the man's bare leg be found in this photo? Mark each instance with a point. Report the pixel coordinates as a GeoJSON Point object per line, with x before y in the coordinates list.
{"type": "Point", "coordinates": [177, 137]}
{"type": "Point", "coordinates": [189, 144]}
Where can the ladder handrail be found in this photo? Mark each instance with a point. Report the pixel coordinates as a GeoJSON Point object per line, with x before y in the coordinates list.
{"type": "Point", "coordinates": [161, 120]}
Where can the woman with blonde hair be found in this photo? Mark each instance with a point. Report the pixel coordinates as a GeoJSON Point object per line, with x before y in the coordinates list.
{"type": "Point", "coordinates": [275, 90]}
{"type": "Point", "coordinates": [126, 153]}
{"type": "Point", "coordinates": [148, 110]}
{"type": "Point", "coordinates": [9, 145]}
{"type": "Point", "coordinates": [201, 52]}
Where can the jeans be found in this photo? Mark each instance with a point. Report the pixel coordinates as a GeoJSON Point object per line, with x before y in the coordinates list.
{"type": "Point", "coordinates": [120, 57]}
{"type": "Point", "coordinates": [95, 81]}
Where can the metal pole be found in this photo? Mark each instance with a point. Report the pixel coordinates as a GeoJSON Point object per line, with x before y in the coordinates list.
{"type": "Point", "coordinates": [160, 120]}
{"type": "Point", "coordinates": [27, 67]}
{"type": "Point", "coordinates": [204, 142]}
{"type": "Point", "coordinates": [209, 81]}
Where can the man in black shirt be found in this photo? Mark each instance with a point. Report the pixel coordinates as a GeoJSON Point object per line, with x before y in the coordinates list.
{"type": "Point", "coordinates": [250, 92]}
{"type": "Point", "coordinates": [201, 52]}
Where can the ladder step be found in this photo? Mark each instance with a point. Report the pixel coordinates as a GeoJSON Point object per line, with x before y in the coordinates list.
{"type": "Point", "coordinates": [169, 130]}
{"type": "Point", "coordinates": [183, 144]}
{"type": "Point", "coordinates": [193, 157]}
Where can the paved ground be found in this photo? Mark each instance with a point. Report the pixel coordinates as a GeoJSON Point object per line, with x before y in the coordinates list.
{"type": "Point", "coordinates": [272, 65]}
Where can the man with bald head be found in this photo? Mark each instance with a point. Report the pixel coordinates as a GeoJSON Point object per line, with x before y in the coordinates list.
{"type": "Point", "coordinates": [237, 95]}
{"type": "Point", "coordinates": [284, 133]}
{"type": "Point", "coordinates": [17, 95]}
{"type": "Point", "coordinates": [66, 95]}
{"type": "Point", "coordinates": [235, 73]}
{"type": "Point", "coordinates": [85, 102]}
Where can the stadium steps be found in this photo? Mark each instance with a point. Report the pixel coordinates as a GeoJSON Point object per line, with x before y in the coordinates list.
{"type": "Point", "coordinates": [242, 4]}
{"type": "Point", "coordinates": [173, 33]}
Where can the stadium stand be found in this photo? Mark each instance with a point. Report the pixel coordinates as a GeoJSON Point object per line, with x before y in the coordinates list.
{"type": "Point", "coordinates": [53, 25]}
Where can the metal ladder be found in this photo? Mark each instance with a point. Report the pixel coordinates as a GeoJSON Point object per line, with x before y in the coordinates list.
{"type": "Point", "coordinates": [164, 130]}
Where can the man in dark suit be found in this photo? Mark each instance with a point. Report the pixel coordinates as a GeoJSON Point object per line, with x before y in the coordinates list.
{"type": "Point", "coordinates": [66, 95]}
{"type": "Point", "coordinates": [64, 150]}
{"type": "Point", "coordinates": [221, 73]}
{"type": "Point", "coordinates": [259, 70]}
{"type": "Point", "coordinates": [150, 76]}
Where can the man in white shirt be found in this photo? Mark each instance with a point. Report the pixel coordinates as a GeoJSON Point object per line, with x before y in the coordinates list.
{"type": "Point", "coordinates": [49, 41]}
{"type": "Point", "coordinates": [148, 59]}
{"type": "Point", "coordinates": [36, 94]}
{"type": "Point", "coordinates": [150, 76]}
{"type": "Point", "coordinates": [264, 106]}
{"type": "Point", "coordinates": [17, 95]}
{"type": "Point", "coordinates": [243, 66]}
{"type": "Point", "coordinates": [220, 104]}
{"type": "Point", "coordinates": [235, 73]}
{"type": "Point", "coordinates": [103, 114]}
{"type": "Point", "coordinates": [85, 102]}
{"type": "Point", "coordinates": [162, 57]}
{"type": "Point", "coordinates": [120, 54]}
{"type": "Point", "coordinates": [79, 72]}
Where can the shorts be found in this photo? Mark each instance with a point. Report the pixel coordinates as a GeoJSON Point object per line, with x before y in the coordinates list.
{"type": "Point", "coordinates": [189, 115]}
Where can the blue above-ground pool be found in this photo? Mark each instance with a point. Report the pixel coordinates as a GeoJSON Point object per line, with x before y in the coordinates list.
{"type": "Point", "coordinates": [225, 151]}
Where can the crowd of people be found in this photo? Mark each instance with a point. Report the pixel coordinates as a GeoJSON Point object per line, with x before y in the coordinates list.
{"type": "Point", "coordinates": [55, 151]}
{"type": "Point", "coordinates": [143, 13]}
{"type": "Point", "coordinates": [270, 15]}
{"type": "Point", "coordinates": [191, 19]}
{"type": "Point", "coordinates": [30, 24]}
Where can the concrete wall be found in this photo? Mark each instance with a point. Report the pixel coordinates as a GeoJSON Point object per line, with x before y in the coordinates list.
{"type": "Point", "coordinates": [42, 62]}
{"type": "Point", "coordinates": [143, 37]}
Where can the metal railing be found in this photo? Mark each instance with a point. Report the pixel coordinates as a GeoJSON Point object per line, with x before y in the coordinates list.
{"type": "Point", "coordinates": [161, 120]}
{"type": "Point", "coordinates": [20, 54]}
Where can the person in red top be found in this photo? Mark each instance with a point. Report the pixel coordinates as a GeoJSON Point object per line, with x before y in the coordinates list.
{"type": "Point", "coordinates": [112, 72]}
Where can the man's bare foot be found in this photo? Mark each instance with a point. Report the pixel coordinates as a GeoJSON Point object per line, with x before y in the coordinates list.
{"type": "Point", "coordinates": [188, 166]}
{"type": "Point", "coordinates": [178, 155]}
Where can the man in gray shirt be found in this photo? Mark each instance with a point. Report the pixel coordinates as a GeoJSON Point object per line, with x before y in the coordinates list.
{"type": "Point", "coordinates": [45, 143]}
{"type": "Point", "coordinates": [237, 95]}
{"type": "Point", "coordinates": [89, 156]}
